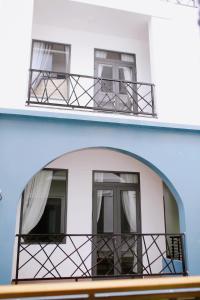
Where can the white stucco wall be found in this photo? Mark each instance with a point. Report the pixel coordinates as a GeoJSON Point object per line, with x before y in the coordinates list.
{"type": "Point", "coordinates": [83, 44]}
{"type": "Point", "coordinates": [80, 166]}
{"type": "Point", "coordinates": [175, 65]}
{"type": "Point", "coordinates": [15, 33]}
{"type": "Point", "coordinates": [164, 37]}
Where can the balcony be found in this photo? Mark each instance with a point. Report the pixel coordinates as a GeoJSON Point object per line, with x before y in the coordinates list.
{"type": "Point", "coordinates": [87, 93]}
{"type": "Point", "coordinates": [87, 256]}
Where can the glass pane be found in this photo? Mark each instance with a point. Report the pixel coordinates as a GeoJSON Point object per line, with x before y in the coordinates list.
{"type": "Point", "coordinates": [105, 258]}
{"type": "Point", "coordinates": [50, 57]}
{"type": "Point", "coordinates": [127, 57]}
{"type": "Point", "coordinates": [113, 55]}
{"type": "Point", "coordinates": [115, 177]}
{"type": "Point", "coordinates": [128, 225]}
{"type": "Point", "coordinates": [125, 74]}
{"type": "Point", "coordinates": [52, 220]}
{"type": "Point", "coordinates": [129, 261]}
{"type": "Point", "coordinates": [106, 71]}
{"type": "Point", "coordinates": [104, 211]}
{"type": "Point", "coordinates": [100, 54]}
{"type": "Point", "coordinates": [128, 211]}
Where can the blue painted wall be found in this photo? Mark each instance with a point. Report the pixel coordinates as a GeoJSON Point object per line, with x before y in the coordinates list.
{"type": "Point", "coordinates": [28, 143]}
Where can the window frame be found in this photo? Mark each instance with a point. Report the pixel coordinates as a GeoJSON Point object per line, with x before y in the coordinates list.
{"type": "Point", "coordinates": [64, 210]}
{"type": "Point", "coordinates": [51, 42]}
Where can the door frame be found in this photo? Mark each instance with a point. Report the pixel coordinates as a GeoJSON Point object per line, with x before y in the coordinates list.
{"type": "Point", "coordinates": [113, 61]}
{"type": "Point", "coordinates": [116, 210]}
{"type": "Point", "coordinates": [107, 185]}
{"type": "Point", "coordinates": [116, 63]}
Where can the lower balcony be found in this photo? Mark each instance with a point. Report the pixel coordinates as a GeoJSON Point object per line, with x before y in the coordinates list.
{"type": "Point", "coordinates": [78, 92]}
{"type": "Point", "coordinates": [92, 256]}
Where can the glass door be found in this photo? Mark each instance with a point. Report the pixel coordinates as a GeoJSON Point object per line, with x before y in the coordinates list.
{"type": "Point", "coordinates": [116, 217]}
{"type": "Point", "coordinates": [128, 223]}
{"type": "Point", "coordinates": [115, 93]}
{"type": "Point", "coordinates": [104, 229]}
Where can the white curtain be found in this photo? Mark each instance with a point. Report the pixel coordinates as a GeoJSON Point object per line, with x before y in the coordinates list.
{"type": "Point", "coordinates": [129, 203]}
{"type": "Point", "coordinates": [42, 56]}
{"type": "Point", "coordinates": [41, 60]}
{"type": "Point", "coordinates": [129, 206]}
{"type": "Point", "coordinates": [99, 178]}
{"type": "Point", "coordinates": [127, 73]}
{"type": "Point", "coordinates": [35, 198]}
{"type": "Point", "coordinates": [67, 57]}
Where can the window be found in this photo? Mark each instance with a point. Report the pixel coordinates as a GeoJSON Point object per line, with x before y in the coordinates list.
{"type": "Point", "coordinates": [49, 64]}
{"type": "Point", "coordinates": [44, 207]}
{"type": "Point", "coordinates": [49, 56]}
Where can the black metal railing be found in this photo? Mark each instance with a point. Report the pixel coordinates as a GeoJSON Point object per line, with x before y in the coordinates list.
{"type": "Point", "coordinates": [175, 247]}
{"type": "Point", "coordinates": [90, 93]}
{"type": "Point", "coordinates": [191, 3]}
{"type": "Point", "coordinates": [85, 256]}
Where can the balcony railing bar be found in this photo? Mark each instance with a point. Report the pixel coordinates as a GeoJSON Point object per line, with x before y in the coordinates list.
{"type": "Point", "coordinates": [75, 91]}
{"type": "Point", "coordinates": [80, 248]}
{"type": "Point", "coordinates": [100, 234]}
{"type": "Point", "coordinates": [83, 107]}
{"type": "Point", "coordinates": [90, 77]}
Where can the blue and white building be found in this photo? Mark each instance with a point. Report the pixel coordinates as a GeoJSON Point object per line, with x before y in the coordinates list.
{"type": "Point", "coordinates": [100, 139]}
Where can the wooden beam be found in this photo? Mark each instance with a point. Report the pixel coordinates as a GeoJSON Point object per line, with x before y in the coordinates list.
{"type": "Point", "coordinates": [92, 287]}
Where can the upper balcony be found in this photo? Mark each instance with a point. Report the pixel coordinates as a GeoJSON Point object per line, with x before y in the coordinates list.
{"type": "Point", "coordinates": [90, 58]}
{"type": "Point", "coordinates": [91, 93]}
{"type": "Point", "coordinates": [149, 32]}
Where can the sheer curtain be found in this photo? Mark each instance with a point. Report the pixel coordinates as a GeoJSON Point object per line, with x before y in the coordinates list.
{"type": "Point", "coordinates": [129, 204]}
{"type": "Point", "coordinates": [41, 60]}
{"type": "Point", "coordinates": [35, 198]}
{"type": "Point", "coordinates": [99, 178]}
{"type": "Point", "coordinates": [127, 73]}
{"type": "Point", "coordinates": [67, 57]}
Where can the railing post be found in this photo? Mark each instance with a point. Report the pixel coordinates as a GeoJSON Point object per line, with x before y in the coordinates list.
{"type": "Point", "coordinates": [153, 100]}
{"type": "Point", "coordinates": [183, 255]}
{"type": "Point", "coordinates": [17, 261]}
{"type": "Point", "coordinates": [29, 86]}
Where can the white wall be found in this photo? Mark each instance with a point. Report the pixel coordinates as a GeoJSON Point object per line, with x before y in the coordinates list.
{"type": "Point", "coordinates": [15, 33]}
{"type": "Point", "coordinates": [83, 44]}
{"type": "Point", "coordinates": [80, 165]}
{"type": "Point", "coordinates": [175, 63]}
{"type": "Point", "coordinates": [171, 212]}
{"type": "Point", "coordinates": [168, 57]}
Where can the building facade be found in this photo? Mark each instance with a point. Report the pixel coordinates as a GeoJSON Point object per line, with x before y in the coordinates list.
{"type": "Point", "coordinates": [99, 145]}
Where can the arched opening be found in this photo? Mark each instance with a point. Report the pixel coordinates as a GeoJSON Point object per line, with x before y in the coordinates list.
{"type": "Point", "coordinates": [98, 213]}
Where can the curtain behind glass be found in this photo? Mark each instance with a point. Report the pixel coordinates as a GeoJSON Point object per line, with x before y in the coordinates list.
{"type": "Point", "coordinates": [42, 56]}
{"type": "Point", "coordinates": [41, 60]}
{"type": "Point", "coordinates": [35, 198]}
{"type": "Point", "coordinates": [129, 206]}
{"type": "Point", "coordinates": [99, 178]}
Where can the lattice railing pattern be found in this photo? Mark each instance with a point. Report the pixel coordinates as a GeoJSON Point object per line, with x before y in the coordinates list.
{"type": "Point", "coordinates": [101, 255]}
{"type": "Point", "coordinates": [90, 93]}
